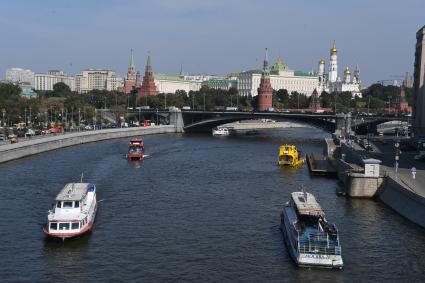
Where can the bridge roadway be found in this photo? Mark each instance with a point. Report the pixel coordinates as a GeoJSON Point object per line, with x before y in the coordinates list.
{"type": "Point", "coordinates": [195, 120]}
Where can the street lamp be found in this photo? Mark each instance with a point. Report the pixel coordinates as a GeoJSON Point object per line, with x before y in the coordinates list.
{"type": "Point", "coordinates": [397, 153]}
{"type": "Point", "coordinates": [368, 104]}
{"type": "Point", "coordinates": [4, 112]}
{"type": "Point", "coordinates": [193, 101]}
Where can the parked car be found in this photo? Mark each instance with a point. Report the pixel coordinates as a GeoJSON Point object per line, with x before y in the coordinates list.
{"type": "Point", "coordinates": [420, 156]}
{"type": "Point", "coordinates": [2, 137]}
{"type": "Point", "coordinates": [30, 132]}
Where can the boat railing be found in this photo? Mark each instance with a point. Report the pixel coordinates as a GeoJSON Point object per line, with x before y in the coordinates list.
{"type": "Point", "coordinates": [318, 243]}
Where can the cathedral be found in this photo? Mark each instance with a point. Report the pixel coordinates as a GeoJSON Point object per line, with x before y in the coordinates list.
{"type": "Point", "coordinates": [331, 82]}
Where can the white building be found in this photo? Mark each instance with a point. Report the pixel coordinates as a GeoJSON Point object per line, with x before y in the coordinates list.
{"type": "Point", "coordinates": [102, 79]}
{"type": "Point", "coordinates": [19, 75]}
{"type": "Point", "coordinates": [169, 84]}
{"type": "Point", "coordinates": [47, 81]}
{"type": "Point", "coordinates": [281, 77]}
{"type": "Point", "coordinates": [332, 82]}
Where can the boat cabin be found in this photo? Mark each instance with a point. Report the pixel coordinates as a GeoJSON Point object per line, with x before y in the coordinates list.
{"type": "Point", "coordinates": [67, 213]}
{"type": "Point", "coordinates": [307, 207]}
{"type": "Point", "coordinates": [136, 142]}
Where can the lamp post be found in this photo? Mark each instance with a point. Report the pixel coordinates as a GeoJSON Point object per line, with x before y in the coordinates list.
{"type": "Point", "coordinates": [193, 101]}
{"type": "Point", "coordinates": [165, 100]}
{"type": "Point", "coordinates": [397, 153]}
{"type": "Point", "coordinates": [3, 111]}
{"type": "Point", "coordinates": [368, 104]}
{"type": "Point", "coordinates": [139, 115]}
{"type": "Point", "coordinates": [204, 101]}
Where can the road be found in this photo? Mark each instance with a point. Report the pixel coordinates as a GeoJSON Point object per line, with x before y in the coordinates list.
{"type": "Point", "coordinates": [386, 153]}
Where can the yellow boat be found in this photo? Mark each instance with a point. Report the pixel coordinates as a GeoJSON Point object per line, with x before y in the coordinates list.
{"type": "Point", "coordinates": [289, 156]}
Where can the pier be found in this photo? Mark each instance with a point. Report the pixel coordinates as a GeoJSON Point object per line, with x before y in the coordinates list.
{"type": "Point", "coordinates": [321, 165]}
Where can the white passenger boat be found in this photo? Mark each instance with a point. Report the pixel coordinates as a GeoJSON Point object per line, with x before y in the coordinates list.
{"type": "Point", "coordinates": [310, 239]}
{"type": "Point", "coordinates": [221, 132]}
{"type": "Point", "coordinates": [74, 211]}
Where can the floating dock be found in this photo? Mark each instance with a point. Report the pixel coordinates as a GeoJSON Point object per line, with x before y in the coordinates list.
{"type": "Point", "coordinates": [320, 165]}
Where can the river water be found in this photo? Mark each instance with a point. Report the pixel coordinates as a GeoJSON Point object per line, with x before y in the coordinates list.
{"type": "Point", "coordinates": [198, 209]}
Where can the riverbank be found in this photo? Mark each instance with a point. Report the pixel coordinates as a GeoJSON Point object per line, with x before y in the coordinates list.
{"type": "Point", "coordinates": [28, 147]}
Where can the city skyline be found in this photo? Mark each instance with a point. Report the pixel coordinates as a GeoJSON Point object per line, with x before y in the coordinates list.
{"type": "Point", "coordinates": [202, 37]}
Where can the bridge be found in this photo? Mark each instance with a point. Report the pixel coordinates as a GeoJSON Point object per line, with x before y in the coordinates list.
{"type": "Point", "coordinates": [204, 121]}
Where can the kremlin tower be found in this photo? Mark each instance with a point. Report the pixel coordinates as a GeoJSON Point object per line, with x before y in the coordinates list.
{"type": "Point", "coordinates": [314, 101]}
{"type": "Point", "coordinates": [265, 91]}
{"type": "Point", "coordinates": [133, 77]}
{"type": "Point", "coordinates": [333, 65]}
{"type": "Point", "coordinates": [148, 85]}
{"type": "Point", "coordinates": [401, 105]}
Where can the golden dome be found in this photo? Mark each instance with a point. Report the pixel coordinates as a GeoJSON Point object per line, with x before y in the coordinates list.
{"type": "Point", "coordinates": [333, 49]}
{"type": "Point", "coordinates": [347, 71]}
{"type": "Point", "coordinates": [322, 62]}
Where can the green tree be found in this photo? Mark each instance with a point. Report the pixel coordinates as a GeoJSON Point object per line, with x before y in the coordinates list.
{"type": "Point", "coordinates": [61, 89]}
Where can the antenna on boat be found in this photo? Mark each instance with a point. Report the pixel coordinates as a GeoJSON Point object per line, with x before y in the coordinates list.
{"type": "Point", "coordinates": [82, 175]}
{"type": "Point", "coordinates": [304, 192]}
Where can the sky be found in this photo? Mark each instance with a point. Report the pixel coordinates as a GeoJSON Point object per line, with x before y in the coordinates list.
{"type": "Point", "coordinates": [210, 36]}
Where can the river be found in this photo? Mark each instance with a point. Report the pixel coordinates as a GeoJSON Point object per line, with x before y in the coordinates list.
{"type": "Point", "coordinates": [197, 209]}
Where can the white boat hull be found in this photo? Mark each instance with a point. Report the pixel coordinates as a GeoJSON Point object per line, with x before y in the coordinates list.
{"type": "Point", "coordinates": [307, 259]}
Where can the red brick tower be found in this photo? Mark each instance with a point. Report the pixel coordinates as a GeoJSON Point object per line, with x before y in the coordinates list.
{"type": "Point", "coordinates": [148, 85]}
{"type": "Point", "coordinates": [133, 77]}
{"type": "Point", "coordinates": [265, 91]}
{"type": "Point", "coordinates": [315, 102]}
{"type": "Point", "coordinates": [402, 105]}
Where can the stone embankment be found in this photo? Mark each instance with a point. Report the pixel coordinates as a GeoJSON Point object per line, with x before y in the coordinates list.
{"type": "Point", "coordinates": [34, 146]}
{"type": "Point", "coordinates": [401, 193]}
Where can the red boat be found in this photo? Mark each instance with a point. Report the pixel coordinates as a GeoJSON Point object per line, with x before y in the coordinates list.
{"type": "Point", "coordinates": [135, 150]}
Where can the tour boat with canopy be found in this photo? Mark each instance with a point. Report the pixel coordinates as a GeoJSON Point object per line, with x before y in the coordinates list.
{"type": "Point", "coordinates": [135, 149]}
{"type": "Point", "coordinates": [221, 132]}
{"type": "Point", "coordinates": [74, 212]}
{"type": "Point", "coordinates": [311, 240]}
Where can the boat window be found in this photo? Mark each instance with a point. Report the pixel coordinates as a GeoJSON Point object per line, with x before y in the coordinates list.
{"type": "Point", "coordinates": [75, 225]}
{"type": "Point", "coordinates": [64, 226]}
{"type": "Point", "coordinates": [59, 204]}
{"type": "Point", "coordinates": [54, 226]}
{"type": "Point", "coordinates": [67, 204]}
{"type": "Point", "coordinates": [77, 204]}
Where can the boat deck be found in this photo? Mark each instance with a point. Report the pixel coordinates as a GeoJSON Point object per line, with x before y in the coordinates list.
{"type": "Point", "coordinates": [314, 241]}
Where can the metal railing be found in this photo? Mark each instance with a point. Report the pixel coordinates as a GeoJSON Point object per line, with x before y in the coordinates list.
{"type": "Point", "coordinates": [318, 243]}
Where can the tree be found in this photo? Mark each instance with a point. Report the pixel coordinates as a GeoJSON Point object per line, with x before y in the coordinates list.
{"type": "Point", "coordinates": [61, 89]}
{"type": "Point", "coordinates": [327, 100]}
{"type": "Point", "coordinates": [298, 100]}
{"type": "Point", "coordinates": [280, 99]}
